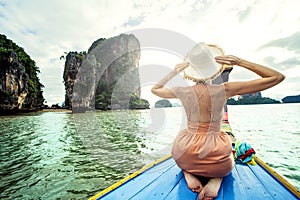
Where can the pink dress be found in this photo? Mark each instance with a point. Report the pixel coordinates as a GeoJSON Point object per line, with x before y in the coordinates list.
{"type": "Point", "coordinates": [202, 148]}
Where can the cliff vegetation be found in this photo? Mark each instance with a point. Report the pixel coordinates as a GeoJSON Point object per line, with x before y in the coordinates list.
{"type": "Point", "coordinates": [20, 87]}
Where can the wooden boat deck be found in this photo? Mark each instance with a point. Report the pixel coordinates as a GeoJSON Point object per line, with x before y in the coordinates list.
{"type": "Point", "coordinates": [164, 180]}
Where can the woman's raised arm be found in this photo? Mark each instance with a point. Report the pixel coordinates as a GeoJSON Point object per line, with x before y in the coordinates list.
{"type": "Point", "coordinates": [159, 88]}
{"type": "Point", "coordinates": [269, 77]}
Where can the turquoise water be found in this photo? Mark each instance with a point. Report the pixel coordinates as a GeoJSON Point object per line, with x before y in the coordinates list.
{"type": "Point", "coordinates": [56, 155]}
{"type": "Point", "coordinates": [274, 132]}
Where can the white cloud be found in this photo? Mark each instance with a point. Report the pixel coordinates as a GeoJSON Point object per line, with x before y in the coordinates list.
{"type": "Point", "coordinates": [47, 29]}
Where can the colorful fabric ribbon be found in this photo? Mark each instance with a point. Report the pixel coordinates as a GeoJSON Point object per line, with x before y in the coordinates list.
{"type": "Point", "coordinates": [243, 152]}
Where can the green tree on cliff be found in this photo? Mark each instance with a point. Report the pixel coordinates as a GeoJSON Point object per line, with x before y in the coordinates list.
{"type": "Point", "coordinates": [34, 97]}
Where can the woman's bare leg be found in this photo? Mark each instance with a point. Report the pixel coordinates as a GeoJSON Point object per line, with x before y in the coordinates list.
{"type": "Point", "coordinates": [211, 189]}
{"type": "Point", "coordinates": [193, 182]}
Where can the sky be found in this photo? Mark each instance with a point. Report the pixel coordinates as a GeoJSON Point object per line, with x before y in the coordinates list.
{"type": "Point", "coordinates": [262, 31]}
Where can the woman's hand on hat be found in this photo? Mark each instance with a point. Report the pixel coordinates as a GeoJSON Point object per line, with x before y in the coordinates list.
{"type": "Point", "coordinates": [181, 66]}
{"type": "Point", "coordinates": [228, 60]}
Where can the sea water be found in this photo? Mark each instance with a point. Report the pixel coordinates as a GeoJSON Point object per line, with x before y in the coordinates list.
{"type": "Point", "coordinates": [58, 155]}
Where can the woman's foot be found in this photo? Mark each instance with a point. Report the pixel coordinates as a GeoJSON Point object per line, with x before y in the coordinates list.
{"type": "Point", "coordinates": [211, 189]}
{"type": "Point", "coordinates": [193, 182]}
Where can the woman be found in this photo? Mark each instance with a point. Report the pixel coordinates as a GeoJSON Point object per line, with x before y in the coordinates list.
{"type": "Point", "coordinates": [202, 149]}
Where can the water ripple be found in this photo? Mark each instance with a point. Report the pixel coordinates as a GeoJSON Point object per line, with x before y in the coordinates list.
{"type": "Point", "coordinates": [66, 156]}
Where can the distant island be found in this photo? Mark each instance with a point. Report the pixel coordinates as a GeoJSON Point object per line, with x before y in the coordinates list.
{"type": "Point", "coordinates": [291, 99]}
{"type": "Point", "coordinates": [247, 99]}
{"type": "Point", "coordinates": [163, 103]}
{"type": "Point", "coordinates": [256, 98]}
{"type": "Point", "coordinates": [253, 98]}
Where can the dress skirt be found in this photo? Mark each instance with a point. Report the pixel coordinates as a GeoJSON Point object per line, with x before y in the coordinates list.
{"type": "Point", "coordinates": [203, 150]}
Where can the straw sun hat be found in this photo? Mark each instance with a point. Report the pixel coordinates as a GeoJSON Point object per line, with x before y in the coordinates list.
{"type": "Point", "coordinates": [203, 66]}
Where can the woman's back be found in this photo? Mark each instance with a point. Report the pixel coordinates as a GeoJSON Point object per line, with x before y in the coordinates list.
{"type": "Point", "coordinates": [203, 103]}
{"type": "Point", "coordinates": [197, 148]}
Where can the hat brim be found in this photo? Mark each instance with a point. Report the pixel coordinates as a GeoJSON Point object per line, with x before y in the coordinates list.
{"type": "Point", "coordinates": [205, 71]}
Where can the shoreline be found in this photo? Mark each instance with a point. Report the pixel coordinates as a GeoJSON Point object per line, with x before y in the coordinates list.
{"type": "Point", "coordinates": [56, 110]}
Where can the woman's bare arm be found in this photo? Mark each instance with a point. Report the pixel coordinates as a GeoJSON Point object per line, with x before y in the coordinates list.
{"type": "Point", "coordinates": [269, 77]}
{"type": "Point", "coordinates": [159, 88]}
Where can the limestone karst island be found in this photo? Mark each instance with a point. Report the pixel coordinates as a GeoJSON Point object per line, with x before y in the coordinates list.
{"type": "Point", "coordinates": [104, 77]}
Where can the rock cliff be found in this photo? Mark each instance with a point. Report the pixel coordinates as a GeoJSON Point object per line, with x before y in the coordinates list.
{"type": "Point", "coordinates": [20, 88]}
{"type": "Point", "coordinates": [106, 77]}
{"type": "Point", "coordinates": [72, 64]}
